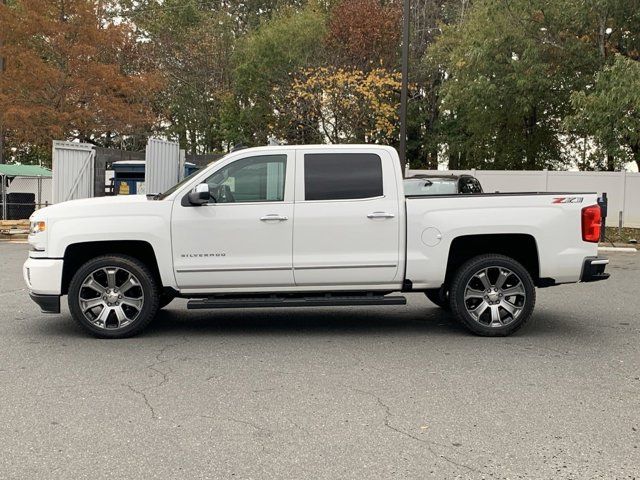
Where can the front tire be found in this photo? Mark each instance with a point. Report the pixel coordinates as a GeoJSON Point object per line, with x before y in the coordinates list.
{"type": "Point", "coordinates": [493, 295]}
{"type": "Point", "coordinates": [113, 296]}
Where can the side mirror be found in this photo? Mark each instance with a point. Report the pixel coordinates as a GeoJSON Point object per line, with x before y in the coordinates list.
{"type": "Point", "coordinates": [200, 195]}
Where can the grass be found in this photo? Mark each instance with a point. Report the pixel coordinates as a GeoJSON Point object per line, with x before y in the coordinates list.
{"type": "Point", "coordinates": [612, 234]}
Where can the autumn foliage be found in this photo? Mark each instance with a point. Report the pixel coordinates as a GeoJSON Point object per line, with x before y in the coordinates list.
{"type": "Point", "coordinates": [518, 84]}
{"type": "Point", "coordinates": [347, 105]}
{"type": "Point", "coordinates": [365, 33]}
{"type": "Point", "coordinates": [71, 73]}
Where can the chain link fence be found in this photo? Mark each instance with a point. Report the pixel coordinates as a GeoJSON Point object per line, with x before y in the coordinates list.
{"type": "Point", "coordinates": [21, 196]}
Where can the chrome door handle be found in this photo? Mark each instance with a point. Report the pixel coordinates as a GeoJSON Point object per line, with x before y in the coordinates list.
{"type": "Point", "coordinates": [273, 216]}
{"type": "Point", "coordinates": [380, 215]}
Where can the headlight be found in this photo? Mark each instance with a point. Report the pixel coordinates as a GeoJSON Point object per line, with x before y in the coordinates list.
{"type": "Point", "coordinates": [37, 227]}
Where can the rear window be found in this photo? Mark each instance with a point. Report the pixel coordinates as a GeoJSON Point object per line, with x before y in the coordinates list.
{"type": "Point", "coordinates": [342, 176]}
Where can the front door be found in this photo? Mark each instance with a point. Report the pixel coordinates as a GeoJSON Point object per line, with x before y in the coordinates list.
{"type": "Point", "coordinates": [243, 237]}
{"type": "Point", "coordinates": [347, 228]}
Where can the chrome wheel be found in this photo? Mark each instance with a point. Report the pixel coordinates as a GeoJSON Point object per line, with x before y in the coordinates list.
{"type": "Point", "coordinates": [494, 296]}
{"type": "Point", "coordinates": [111, 297]}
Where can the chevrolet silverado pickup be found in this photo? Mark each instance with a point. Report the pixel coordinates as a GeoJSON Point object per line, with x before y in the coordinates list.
{"type": "Point", "coordinates": [294, 226]}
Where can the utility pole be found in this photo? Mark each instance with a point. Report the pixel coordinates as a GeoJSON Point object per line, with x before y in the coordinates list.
{"type": "Point", "coordinates": [4, 3]}
{"type": "Point", "coordinates": [405, 84]}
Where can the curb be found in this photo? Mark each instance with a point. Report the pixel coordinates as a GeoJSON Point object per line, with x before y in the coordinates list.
{"type": "Point", "coordinates": [618, 249]}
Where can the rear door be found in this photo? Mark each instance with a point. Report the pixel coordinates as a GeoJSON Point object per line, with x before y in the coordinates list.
{"type": "Point", "coordinates": [347, 219]}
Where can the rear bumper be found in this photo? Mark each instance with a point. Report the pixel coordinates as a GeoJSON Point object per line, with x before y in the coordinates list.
{"type": "Point", "coordinates": [47, 303]}
{"type": "Point", "coordinates": [593, 269]}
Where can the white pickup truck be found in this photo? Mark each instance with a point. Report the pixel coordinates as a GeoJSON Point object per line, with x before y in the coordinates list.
{"type": "Point", "coordinates": [293, 226]}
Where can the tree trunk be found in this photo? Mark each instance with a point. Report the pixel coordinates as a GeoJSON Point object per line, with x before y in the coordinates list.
{"type": "Point", "coordinates": [432, 159]}
{"type": "Point", "coordinates": [454, 159]}
{"type": "Point", "coordinates": [611, 163]}
{"type": "Point", "coordinates": [194, 142]}
{"type": "Point", "coordinates": [602, 34]}
{"type": "Point", "coordinates": [635, 150]}
{"type": "Point", "coordinates": [531, 147]}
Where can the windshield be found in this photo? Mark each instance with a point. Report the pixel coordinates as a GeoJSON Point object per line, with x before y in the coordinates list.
{"type": "Point", "coordinates": [430, 186]}
{"type": "Point", "coordinates": [165, 194]}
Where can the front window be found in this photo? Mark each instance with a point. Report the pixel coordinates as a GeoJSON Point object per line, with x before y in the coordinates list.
{"type": "Point", "coordinates": [253, 179]}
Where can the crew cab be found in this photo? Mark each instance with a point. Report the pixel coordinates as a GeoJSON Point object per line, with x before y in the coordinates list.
{"type": "Point", "coordinates": [294, 226]}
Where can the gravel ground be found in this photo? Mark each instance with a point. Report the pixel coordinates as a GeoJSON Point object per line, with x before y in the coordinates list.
{"type": "Point", "coordinates": [334, 393]}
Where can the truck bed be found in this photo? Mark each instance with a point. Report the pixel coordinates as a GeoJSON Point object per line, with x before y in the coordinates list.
{"type": "Point", "coordinates": [551, 219]}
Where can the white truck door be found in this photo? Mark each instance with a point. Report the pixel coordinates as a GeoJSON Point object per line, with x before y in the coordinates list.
{"type": "Point", "coordinates": [244, 238]}
{"type": "Point", "coordinates": [347, 218]}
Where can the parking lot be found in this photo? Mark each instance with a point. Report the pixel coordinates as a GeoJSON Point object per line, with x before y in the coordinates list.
{"type": "Point", "coordinates": [376, 392]}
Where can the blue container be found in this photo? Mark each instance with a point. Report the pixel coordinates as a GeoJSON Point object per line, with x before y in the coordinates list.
{"type": "Point", "coordinates": [189, 168]}
{"type": "Point", "coordinates": [128, 176]}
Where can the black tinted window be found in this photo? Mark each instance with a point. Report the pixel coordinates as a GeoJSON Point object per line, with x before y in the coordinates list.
{"type": "Point", "coordinates": [338, 176]}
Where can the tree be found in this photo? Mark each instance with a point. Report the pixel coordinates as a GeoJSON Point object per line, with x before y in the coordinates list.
{"type": "Point", "coordinates": [263, 64]}
{"type": "Point", "coordinates": [365, 34]}
{"type": "Point", "coordinates": [610, 112]}
{"type": "Point", "coordinates": [71, 73]}
{"type": "Point", "coordinates": [346, 106]}
{"type": "Point", "coordinates": [428, 18]}
{"type": "Point", "coordinates": [510, 69]}
{"type": "Point", "coordinates": [190, 44]}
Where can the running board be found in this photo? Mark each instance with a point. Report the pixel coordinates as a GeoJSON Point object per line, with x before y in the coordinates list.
{"type": "Point", "coordinates": [317, 301]}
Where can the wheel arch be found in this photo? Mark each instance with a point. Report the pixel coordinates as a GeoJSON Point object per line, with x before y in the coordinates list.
{"type": "Point", "coordinates": [76, 254]}
{"type": "Point", "coordinates": [522, 247]}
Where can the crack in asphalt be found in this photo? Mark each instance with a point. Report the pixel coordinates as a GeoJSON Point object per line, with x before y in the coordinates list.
{"type": "Point", "coordinates": [251, 424]}
{"type": "Point", "coordinates": [141, 393]}
{"type": "Point", "coordinates": [261, 430]}
{"type": "Point", "coordinates": [159, 361]}
{"type": "Point", "coordinates": [164, 374]}
{"type": "Point", "coordinates": [387, 424]}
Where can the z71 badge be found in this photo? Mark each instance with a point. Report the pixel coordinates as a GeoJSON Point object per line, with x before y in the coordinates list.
{"type": "Point", "coordinates": [567, 200]}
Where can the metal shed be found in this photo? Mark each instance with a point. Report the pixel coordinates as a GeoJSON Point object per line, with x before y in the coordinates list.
{"type": "Point", "coordinates": [73, 170]}
{"type": "Point", "coordinates": [164, 165]}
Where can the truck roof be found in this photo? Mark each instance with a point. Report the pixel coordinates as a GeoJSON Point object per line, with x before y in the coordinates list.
{"type": "Point", "coordinates": [343, 146]}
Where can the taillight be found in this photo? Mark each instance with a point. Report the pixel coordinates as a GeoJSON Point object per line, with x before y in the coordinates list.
{"type": "Point", "coordinates": [591, 222]}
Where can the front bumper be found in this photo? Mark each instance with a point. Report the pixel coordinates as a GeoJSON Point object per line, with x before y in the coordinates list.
{"type": "Point", "coordinates": [593, 269]}
{"type": "Point", "coordinates": [43, 276]}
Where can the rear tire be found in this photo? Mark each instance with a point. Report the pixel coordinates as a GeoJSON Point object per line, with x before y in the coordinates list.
{"type": "Point", "coordinates": [113, 296]}
{"type": "Point", "coordinates": [493, 295]}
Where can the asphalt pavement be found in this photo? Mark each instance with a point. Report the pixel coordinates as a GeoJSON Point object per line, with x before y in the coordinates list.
{"type": "Point", "coordinates": [331, 393]}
